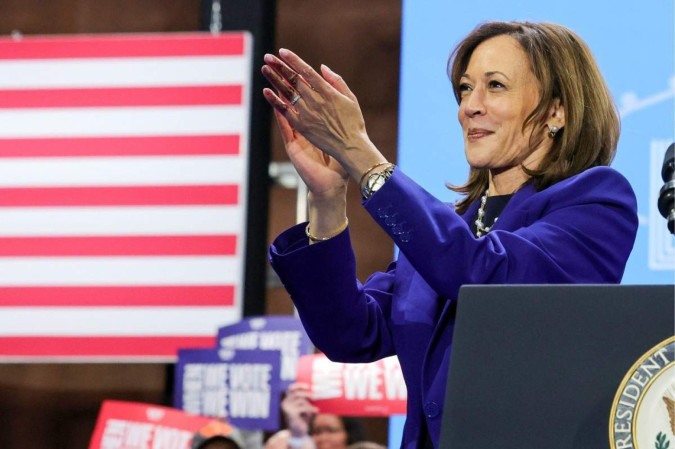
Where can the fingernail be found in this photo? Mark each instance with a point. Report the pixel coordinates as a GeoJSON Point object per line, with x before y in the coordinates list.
{"type": "Point", "coordinates": [268, 58]}
{"type": "Point", "coordinates": [284, 52]}
{"type": "Point", "coordinates": [328, 68]}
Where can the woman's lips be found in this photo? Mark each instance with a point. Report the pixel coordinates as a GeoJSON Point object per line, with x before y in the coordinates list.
{"type": "Point", "coordinates": [477, 133]}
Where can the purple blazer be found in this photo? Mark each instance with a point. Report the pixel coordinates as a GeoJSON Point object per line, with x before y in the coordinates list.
{"type": "Point", "coordinates": [580, 230]}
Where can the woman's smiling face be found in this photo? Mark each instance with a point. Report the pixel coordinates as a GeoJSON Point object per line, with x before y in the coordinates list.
{"type": "Point", "coordinates": [498, 92]}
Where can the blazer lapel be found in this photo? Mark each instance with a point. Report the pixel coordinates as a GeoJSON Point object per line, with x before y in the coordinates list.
{"type": "Point", "coordinates": [514, 214]}
{"type": "Point", "coordinates": [471, 212]}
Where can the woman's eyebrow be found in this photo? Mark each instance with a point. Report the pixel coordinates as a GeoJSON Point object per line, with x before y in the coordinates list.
{"type": "Point", "coordinates": [487, 74]}
{"type": "Point", "coordinates": [497, 72]}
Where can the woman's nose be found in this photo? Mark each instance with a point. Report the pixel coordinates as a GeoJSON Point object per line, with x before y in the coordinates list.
{"type": "Point", "coordinates": [473, 103]}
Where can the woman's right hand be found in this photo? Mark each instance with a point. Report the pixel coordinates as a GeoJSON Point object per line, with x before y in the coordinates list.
{"type": "Point", "coordinates": [298, 409]}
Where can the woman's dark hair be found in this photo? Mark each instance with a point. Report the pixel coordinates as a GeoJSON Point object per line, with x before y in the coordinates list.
{"type": "Point", "coordinates": [354, 429]}
{"type": "Point", "coordinates": [567, 72]}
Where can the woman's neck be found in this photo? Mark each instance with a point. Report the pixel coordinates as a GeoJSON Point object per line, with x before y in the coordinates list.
{"type": "Point", "coordinates": [506, 182]}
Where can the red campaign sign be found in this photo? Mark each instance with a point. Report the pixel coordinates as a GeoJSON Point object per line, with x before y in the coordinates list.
{"type": "Point", "coordinates": [363, 389]}
{"type": "Point", "coordinates": [132, 425]}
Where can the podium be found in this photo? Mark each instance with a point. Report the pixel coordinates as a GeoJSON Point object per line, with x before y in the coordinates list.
{"type": "Point", "coordinates": [536, 367]}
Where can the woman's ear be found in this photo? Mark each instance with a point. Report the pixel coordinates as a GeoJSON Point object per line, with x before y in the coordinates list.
{"type": "Point", "coordinates": [556, 114]}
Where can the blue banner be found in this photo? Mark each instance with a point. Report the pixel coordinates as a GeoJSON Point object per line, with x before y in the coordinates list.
{"type": "Point", "coordinates": [633, 44]}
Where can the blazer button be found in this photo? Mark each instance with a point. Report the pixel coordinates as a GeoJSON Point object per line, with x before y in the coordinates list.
{"type": "Point", "coordinates": [385, 211]}
{"type": "Point", "coordinates": [398, 228]}
{"type": "Point", "coordinates": [432, 409]}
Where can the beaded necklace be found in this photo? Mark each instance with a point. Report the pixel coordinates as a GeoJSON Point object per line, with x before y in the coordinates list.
{"type": "Point", "coordinates": [481, 229]}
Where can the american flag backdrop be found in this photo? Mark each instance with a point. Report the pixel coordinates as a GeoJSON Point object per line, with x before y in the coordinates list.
{"type": "Point", "coordinates": [123, 174]}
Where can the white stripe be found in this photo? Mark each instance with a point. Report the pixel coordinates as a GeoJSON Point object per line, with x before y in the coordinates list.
{"type": "Point", "coordinates": [70, 271]}
{"type": "Point", "coordinates": [156, 220]}
{"type": "Point", "coordinates": [124, 72]}
{"type": "Point", "coordinates": [117, 171]}
{"type": "Point", "coordinates": [115, 321]}
{"type": "Point", "coordinates": [133, 121]}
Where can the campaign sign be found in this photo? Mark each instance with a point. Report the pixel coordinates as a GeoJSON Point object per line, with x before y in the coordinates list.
{"type": "Point", "coordinates": [355, 389]}
{"type": "Point", "coordinates": [282, 333]}
{"type": "Point", "coordinates": [132, 425]}
{"type": "Point", "coordinates": [242, 386]}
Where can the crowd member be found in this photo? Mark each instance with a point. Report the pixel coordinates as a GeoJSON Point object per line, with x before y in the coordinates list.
{"type": "Point", "coordinates": [218, 434]}
{"type": "Point", "coordinates": [366, 445]}
{"type": "Point", "coordinates": [540, 205]}
{"type": "Point", "coordinates": [310, 429]}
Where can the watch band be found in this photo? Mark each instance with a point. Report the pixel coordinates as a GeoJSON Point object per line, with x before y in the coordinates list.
{"type": "Point", "coordinates": [375, 181]}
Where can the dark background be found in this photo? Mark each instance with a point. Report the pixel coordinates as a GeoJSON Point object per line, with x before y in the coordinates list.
{"type": "Point", "coordinates": [55, 405]}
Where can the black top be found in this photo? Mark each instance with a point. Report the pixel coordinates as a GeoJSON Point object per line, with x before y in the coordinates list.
{"type": "Point", "coordinates": [493, 207]}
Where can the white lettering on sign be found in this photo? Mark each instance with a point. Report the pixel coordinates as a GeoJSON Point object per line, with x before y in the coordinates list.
{"type": "Point", "coordinates": [394, 383]}
{"type": "Point", "coordinates": [170, 438]}
{"type": "Point", "coordinates": [205, 389]}
{"type": "Point", "coordinates": [113, 434]}
{"type": "Point", "coordinates": [250, 376]}
{"type": "Point", "coordinates": [363, 381]}
{"type": "Point", "coordinates": [215, 402]}
{"type": "Point", "coordinates": [121, 434]}
{"type": "Point", "coordinates": [326, 379]}
{"type": "Point", "coordinates": [369, 381]}
{"type": "Point", "coordinates": [250, 390]}
{"type": "Point", "coordinates": [247, 340]}
{"type": "Point", "coordinates": [288, 342]}
{"type": "Point", "coordinates": [250, 404]}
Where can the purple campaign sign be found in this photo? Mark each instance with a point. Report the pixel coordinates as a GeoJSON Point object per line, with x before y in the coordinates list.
{"type": "Point", "coordinates": [239, 385]}
{"type": "Point", "coordinates": [281, 333]}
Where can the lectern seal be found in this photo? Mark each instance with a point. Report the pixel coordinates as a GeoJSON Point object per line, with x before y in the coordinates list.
{"type": "Point", "coordinates": [643, 411]}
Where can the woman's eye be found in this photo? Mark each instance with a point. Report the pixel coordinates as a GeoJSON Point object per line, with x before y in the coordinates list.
{"type": "Point", "coordinates": [464, 87]}
{"type": "Point", "coordinates": [495, 84]}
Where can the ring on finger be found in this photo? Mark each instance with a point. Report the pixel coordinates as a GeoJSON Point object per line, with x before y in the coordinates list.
{"type": "Point", "coordinates": [295, 98]}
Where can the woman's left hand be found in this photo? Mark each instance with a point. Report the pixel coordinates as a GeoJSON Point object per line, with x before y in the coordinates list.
{"type": "Point", "coordinates": [322, 174]}
{"type": "Point", "coordinates": [321, 108]}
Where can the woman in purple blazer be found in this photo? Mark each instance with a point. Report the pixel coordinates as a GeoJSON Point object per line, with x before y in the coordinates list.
{"type": "Point", "coordinates": [540, 206]}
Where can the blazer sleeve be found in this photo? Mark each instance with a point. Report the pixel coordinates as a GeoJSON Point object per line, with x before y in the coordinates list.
{"type": "Point", "coordinates": [342, 317]}
{"type": "Point", "coordinates": [580, 230]}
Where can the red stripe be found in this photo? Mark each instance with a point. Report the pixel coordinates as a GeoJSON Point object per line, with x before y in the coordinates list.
{"type": "Point", "coordinates": [121, 46]}
{"type": "Point", "coordinates": [156, 245]}
{"type": "Point", "coordinates": [120, 146]}
{"type": "Point", "coordinates": [51, 346]}
{"type": "Point", "coordinates": [99, 296]}
{"type": "Point", "coordinates": [128, 96]}
{"type": "Point", "coordinates": [119, 196]}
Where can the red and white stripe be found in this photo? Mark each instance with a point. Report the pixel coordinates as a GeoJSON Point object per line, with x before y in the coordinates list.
{"type": "Point", "coordinates": [123, 173]}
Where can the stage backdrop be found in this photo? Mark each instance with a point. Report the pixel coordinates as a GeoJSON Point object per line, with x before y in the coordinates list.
{"type": "Point", "coordinates": [123, 174]}
{"type": "Point", "coordinates": [634, 48]}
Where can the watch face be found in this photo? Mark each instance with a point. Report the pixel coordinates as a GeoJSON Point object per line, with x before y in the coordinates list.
{"type": "Point", "coordinates": [374, 182]}
{"type": "Point", "coordinates": [377, 183]}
